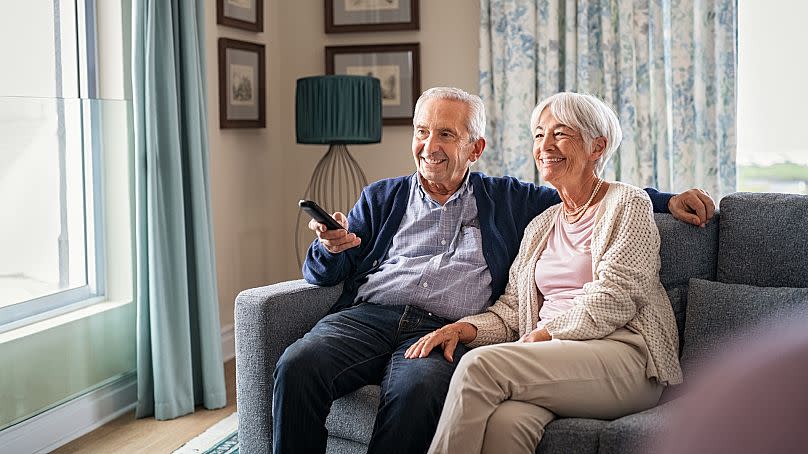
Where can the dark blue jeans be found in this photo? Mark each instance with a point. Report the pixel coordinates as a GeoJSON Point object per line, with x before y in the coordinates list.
{"type": "Point", "coordinates": [359, 346]}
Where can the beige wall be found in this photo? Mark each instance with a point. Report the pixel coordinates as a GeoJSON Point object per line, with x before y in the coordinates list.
{"type": "Point", "coordinates": [245, 170]}
{"type": "Point", "coordinates": [259, 174]}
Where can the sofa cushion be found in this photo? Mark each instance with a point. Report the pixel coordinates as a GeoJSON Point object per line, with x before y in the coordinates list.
{"type": "Point", "coordinates": [352, 416]}
{"type": "Point", "coordinates": [719, 313]}
{"type": "Point", "coordinates": [636, 433]}
{"type": "Point", "coordinates": [565, 435]}
{"type": "Point", "coordinates": [763, 240]}
{"type": "Point", "coordinates": [337, 445]}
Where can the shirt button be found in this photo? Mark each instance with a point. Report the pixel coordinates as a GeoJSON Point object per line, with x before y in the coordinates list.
{"type": "Point", "coordinates": [375, 262]}
{"type": "Point", "coordinates": [443, 241]}
{"type": "Point", "coordinates": [444, 208]}
{"type": "Point", "coordinates": [426, 285]}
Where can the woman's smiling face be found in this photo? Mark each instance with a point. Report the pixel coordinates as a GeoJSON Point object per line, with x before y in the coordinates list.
{"type": "Point", "coordinates": [560, 151]}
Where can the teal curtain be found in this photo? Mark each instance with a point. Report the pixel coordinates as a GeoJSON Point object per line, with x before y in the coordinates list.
{"type": "Point", "coordinates": [179, 357]}
{"type": "Point", "coordinates": [667, 66]}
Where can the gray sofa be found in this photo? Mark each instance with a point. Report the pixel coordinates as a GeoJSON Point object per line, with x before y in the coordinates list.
{"type": "Point", "coordinates": [751, 264]}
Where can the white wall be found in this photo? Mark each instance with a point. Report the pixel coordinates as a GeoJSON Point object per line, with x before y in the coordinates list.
{"type": "Point", "coordinates": [259, 174]}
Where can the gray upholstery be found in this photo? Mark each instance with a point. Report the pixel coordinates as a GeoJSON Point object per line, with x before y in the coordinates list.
{"type": "Point", "coordinates": [571, 435]}
{"type": "Point", "coordinates": [267, 320]}
{"type": "Point", "coordinates": [719, 314]}
{"type": "Point", "coordinates": [352, 417]}
{"type": "Point", "coordinates": [634, 433]}
{"type": "Point", "coordinates": [338, 445]}
{"type": "Point", "coordinates": [763, 240]}
{"type": "Point", "coordinates": [760, 240]}
{"type": "Point", "coordinates": [686, 251]}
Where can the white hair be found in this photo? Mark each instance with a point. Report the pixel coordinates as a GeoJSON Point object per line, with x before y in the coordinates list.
{"type": "Point", "coordinates": [475, 121]}
{"type": "Point", "coordinates": [586, 114]}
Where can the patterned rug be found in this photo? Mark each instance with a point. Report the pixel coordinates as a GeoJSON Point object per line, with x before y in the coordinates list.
{"type": "Point", "coordinates": [222, 438]}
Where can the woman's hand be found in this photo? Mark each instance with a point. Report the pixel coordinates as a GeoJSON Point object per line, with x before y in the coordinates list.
{"type": "Point", "coordinates": [537, 335]}
{"type": "Point", "coordinates": [447, 337]}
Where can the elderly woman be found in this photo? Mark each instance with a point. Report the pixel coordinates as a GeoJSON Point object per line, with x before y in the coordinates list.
{"type": "Point", "coordinates": [596, 334]}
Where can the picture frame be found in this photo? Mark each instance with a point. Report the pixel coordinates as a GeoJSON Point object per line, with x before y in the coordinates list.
{"type": "Point", "coordinates": [242, 84]}
{"type": "Point", "coordinates": [397, 66]}
{"type": "Point", "coordinates": [243, 14]}
{"type": "Point", "coordinates": [346, 16]}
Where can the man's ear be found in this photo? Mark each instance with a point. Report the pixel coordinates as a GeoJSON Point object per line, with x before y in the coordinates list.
{"type": "Point", "coordinates": [477, 151]}
{"type": "Point", "coordinates": [598, 147]}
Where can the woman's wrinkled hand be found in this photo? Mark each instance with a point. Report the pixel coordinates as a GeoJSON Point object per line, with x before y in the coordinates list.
{"type": "Point", "coordinates": [447, 337]}
{"type": "Point", "coordinates": [537, 335]}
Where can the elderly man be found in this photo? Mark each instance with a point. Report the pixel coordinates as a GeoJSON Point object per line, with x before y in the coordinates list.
{"type": "Point", "coordinates": [416, 253]}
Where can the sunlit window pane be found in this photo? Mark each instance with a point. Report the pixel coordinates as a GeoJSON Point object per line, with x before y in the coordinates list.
{"type": "Point", "coordinates": [39, 49]}
{"type": "Point", "coordinates": [43, 160]}
{"type": "Point", "coordinates": [41, 198]}
{"type": "Point", "coordinates": [772, 64]}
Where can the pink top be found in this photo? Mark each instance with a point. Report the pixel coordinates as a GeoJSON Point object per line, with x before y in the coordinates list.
{"type": "Point", "coordinates": [565, 265]}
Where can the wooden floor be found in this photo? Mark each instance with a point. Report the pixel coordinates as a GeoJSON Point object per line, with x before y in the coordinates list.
{"type": "Point", "coordinates": [129, 435]}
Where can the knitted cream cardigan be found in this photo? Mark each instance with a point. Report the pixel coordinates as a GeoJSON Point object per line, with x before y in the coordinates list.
{"type": "Point", "coordinates": [625, 288]}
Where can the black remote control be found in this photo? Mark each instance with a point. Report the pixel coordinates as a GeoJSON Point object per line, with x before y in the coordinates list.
{"type": "Point", "coordinates": [319, 214]}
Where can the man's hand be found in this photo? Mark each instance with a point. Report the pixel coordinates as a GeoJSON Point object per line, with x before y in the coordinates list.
{"type": "Point", "coordinates": [335, 241]}
{"type": "Point", "coordinates": [447, 337]}
{"type": "Point", "coordinates": [693, 206]}
{"type": "Point", "coordinates": [537, 335]}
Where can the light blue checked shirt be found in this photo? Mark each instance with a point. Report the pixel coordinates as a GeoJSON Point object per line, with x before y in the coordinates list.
{"type": "Point", "coordinates": [435, 261]}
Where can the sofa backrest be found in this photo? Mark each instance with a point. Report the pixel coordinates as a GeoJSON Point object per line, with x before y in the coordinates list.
{"type": "Point", "coordinates": [687, 251]}
{"type": "Point", "coordinates": [761, 277]}
{"type": "Point", "coordinates": [763, 240]}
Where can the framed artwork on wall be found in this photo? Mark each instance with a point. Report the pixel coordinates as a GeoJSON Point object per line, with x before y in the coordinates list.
{"type": "Point", "coordinates": [343, 16]}
{"type": "Point", "coordinates": [242, 90]}
{"type": "Point", "coordinates": [397, 66]}
{"type": "Point", "coordinates": [244, 14]}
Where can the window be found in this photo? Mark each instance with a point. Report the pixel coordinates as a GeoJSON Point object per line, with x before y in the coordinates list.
{"type": "Point", "coordinates": [772, 63]}
{"type": "Point", "coordinates": [49, 194]}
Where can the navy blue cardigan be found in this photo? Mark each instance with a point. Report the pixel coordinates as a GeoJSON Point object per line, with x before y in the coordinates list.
{"type": "Point", "coordinates": [505, 206]}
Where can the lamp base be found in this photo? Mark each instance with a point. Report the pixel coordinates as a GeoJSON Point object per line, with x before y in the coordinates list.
{"type": "Point", "coordinates": [336, 183]}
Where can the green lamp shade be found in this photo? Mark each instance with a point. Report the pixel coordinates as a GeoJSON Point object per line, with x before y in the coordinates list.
{"type": "Point", "coordinates": [338, 110]}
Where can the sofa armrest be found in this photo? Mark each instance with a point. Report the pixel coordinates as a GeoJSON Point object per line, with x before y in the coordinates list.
{"type": "Point", "coordinates": [267, 320]}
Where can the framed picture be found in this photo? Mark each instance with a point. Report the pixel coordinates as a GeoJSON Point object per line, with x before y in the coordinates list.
{"type": "Point", "coordinates": [397, 66]}
{"type": "Point", "coordinates": [246, 14]}
{"type": "Point", "coordinates": [342, 16]}
{"type": "Point", "coordinates": [242, 90]}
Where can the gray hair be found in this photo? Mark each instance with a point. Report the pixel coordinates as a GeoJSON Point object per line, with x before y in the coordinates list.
{"type": "Point", "coordinates": [586, 114]}
{"type": "Point", "coordinates": [475, 121]}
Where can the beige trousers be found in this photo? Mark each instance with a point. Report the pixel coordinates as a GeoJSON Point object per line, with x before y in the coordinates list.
{"type": "Point", "coordinates": [501, 396]}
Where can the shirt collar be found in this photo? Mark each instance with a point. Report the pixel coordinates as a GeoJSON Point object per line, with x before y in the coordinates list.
{"type": "Point", "coordinates": [461, 191]}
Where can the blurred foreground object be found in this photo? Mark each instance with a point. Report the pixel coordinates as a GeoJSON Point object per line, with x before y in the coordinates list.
{"type": "Point", "coordinates": [751, 400]}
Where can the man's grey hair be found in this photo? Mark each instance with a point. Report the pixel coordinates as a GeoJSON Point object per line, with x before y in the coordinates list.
{"type": "Point", "coordinates": [586, 114]}
{"type": "Point", "coordinates": [475, 121]}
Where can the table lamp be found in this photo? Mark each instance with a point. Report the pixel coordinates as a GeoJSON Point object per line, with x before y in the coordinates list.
{"type": "Point", "coordinates": [336, 110]}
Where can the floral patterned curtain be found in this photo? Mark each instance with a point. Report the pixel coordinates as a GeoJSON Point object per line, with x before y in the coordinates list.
{"type": "Point", "coordinates": [667, 67]}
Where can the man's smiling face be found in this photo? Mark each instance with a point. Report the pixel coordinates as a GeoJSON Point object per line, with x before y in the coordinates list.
{"type": "Point", "coordinates": [440, 143]}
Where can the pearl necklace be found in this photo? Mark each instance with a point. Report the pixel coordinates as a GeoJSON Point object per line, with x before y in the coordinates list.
{"type": "Point", "coordinates": [578, 213]}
